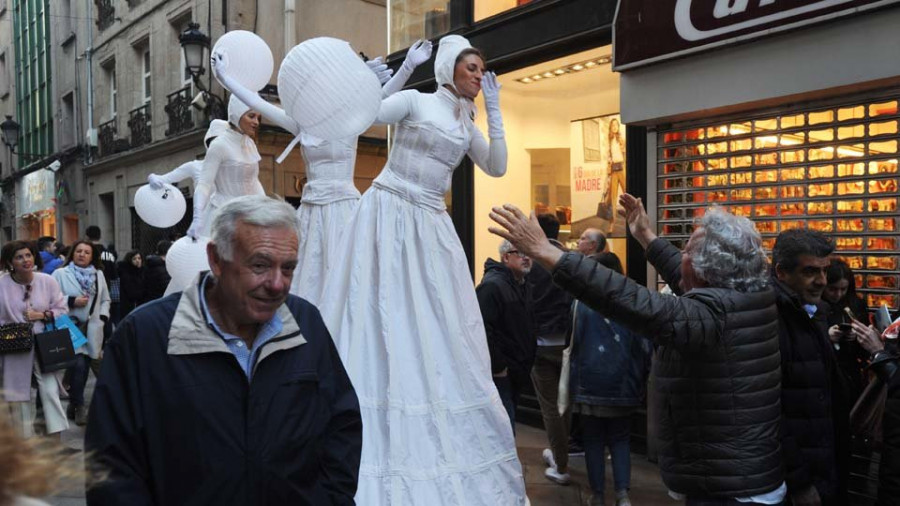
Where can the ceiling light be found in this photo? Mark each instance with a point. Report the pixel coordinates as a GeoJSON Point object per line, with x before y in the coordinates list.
{"type": "Point", "coordinates": [559, 72]}
{"type": "Point", "coordinates": [590, 64]}
{"type": "Point", "coordinates": [577, 67]}
{"type": "Point", "coordinates": [537, 77]}
{"type": "Point", "coordinates": [526, 80]}
{"type": "Point", "coordinates": [549, 74]}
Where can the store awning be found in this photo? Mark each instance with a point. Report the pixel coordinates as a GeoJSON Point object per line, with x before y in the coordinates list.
{"type": "Point", "coordinates": [649, 31]}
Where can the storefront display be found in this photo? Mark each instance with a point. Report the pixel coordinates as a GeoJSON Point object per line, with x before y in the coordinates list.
{"type": "Point", "coordinates": [37, 205]}
{"type": "Point", "coordinates": [832, 168]}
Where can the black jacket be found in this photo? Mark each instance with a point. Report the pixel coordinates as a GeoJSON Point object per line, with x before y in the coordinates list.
{"type": "Point", "coordinates": [851, 357]}
{"type": "Point", "coordinates": [551, 303]}
{"type": "Point", "coordinates": [156, 277]}
{"type": "Point", "coordinates": [175, 421]}
{"type": "Point", "coordinates": [506, 308]}
{"type": "Point", "coordinates": [717, 373]}
{"type": "Point", "coordinates": [889, 471]}
{"type": "Point", "coordinates": [133, 292]}
{"type": "Point", "coordinates": [816, 435]}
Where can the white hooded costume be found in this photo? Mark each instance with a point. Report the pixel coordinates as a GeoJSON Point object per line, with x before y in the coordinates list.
{"type": "Point", "coordinates": [192, 169]}
{"type": "Point", "coordinates": [401, 307]}
{"type": "Point", "coordinates": [230, 169]}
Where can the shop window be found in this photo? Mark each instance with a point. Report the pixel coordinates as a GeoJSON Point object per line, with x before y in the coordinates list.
{"type": "Point", "coordinates": [487, 8]}
{"type": "Point", "coordinates": [411, 20]}
{"type": "Point", "coordinates": [777, 171]}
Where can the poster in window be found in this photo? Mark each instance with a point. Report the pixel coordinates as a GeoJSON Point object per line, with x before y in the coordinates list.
{"type": "Point", "coordinates": [598, 174]}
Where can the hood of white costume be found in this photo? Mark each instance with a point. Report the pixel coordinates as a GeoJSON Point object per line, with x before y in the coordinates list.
{"type": "Point", "coordinates": [236, 109]}
{"type": "Point", "coordinates": [449, 48]}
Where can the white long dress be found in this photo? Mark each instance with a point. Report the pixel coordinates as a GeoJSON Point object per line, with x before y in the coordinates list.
{"type": "Point", "coordinates": [328, 200]}
{"type": "Point", "coordinates": [401, 307]}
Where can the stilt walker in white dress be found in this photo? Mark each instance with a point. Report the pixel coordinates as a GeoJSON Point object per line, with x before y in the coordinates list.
{"type": "Point", "coordinates": [329, 196]}
{"type": "Point", "coordinates": [230, 168]}
{"type": "Point", "coordinates": [401, 307]}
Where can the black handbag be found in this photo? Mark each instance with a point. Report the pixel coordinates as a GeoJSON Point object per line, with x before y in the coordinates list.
{"type": "Point", "coordinates": [16, 338]}
{"type": "Point", "coordinates": [54, 349]}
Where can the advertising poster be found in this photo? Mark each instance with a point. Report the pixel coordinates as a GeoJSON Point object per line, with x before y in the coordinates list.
{"type": "Point", "coordinates": [598, 174]}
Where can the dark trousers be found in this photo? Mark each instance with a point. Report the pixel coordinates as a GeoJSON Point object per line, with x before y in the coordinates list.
{"type": "Point", "coordinates": [612, 433]}
{"type": "Point", "coordinates": [78, 374]}
{"type": "Point", "coordinates": [509, 395]}
{"type": "Point", "coordinates": [693, 501]}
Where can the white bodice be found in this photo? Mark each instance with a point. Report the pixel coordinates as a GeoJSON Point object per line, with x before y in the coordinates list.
{"type": "Point", "coordinates": [329, 169]}
{"type": "Point", "coordinates": [231, 168]}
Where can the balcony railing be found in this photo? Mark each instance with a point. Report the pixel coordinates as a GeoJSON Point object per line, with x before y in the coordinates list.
{"type": "Point", "coordinates": [178, 109]}
{"type": "Point", "coordinates": [106, 138]}
{"type": "Point", "coordinates": [139, 123]}
{"type": "Point", "coordinates": [106, 14]}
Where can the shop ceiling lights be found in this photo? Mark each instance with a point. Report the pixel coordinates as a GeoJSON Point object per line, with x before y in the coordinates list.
{"type": "Point", "coordinates": [568, 69]}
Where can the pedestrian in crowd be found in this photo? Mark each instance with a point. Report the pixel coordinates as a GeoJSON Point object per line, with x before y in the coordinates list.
{"type": "Point", "coordinates": [591, 242]}
{"type": "Point", "coordinates": [609, 365]}
{"type": "Point", "coordinates": [131, 274]}
{"type": "Point", "coordinates": [884, 363]}
{"type": "Point", "coordinates": [550, 318]}
{"type": "Point", "coordinates": [816, 429]}
{"type": "Point", "coordinates": [82, 281]}
{"type": "Point", "coordinates": [46, 247]}
{"type": "Point", "coordinates": [840, 294]}
{"type": "Point", "coordinates": [28, 296]}
{"type": "Point", "coordinates": [506, 306]}
{"type": "Point", "coordinates": [717, 372]}
{"type": "Point", "coordinates": [233, 378]}
{"type": "Point", "coordinates": [156, 277]}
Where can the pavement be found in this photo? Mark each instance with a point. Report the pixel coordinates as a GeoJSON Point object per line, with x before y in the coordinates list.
{"type": "Point", "coordinates": [646, 485]}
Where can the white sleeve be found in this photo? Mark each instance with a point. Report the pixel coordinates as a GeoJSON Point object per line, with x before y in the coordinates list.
{"type": "Point", "coordinates": [184, 171]}
{"type": "Point", "coordinates": [490, 157]}
{"type": "Point", "coordinates": [397, 107]}
{"type": "Point", "coordinates": [258, 104]}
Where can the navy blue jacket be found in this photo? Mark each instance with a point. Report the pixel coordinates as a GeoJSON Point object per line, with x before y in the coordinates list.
{"type": "Point", "coordinates": [175, 421]}
{"type": "Point", "coordinates": [609, 363]}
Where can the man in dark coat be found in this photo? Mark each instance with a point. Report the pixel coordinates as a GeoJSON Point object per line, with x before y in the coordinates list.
{"type": "Point", "coordinates": [718, 367]}
{"type": "Point", "coordinates": [816, 430]}
{"type": "Point", "coordinates": [505, 301]}
{"type": "Point", "coordinates": [231, 392]}
{"type": "Point", "coordinates": [156, 277]}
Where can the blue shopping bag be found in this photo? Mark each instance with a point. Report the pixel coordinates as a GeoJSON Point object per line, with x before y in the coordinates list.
{"type": "Point", "coordinates": [78, 338]}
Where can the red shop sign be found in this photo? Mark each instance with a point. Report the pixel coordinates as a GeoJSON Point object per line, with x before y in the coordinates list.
{"type": "Point", "coordinates": [648, 31]}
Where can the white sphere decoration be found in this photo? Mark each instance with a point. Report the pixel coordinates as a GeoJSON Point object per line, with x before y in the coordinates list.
{"type": "Point", "coordinates": [327, 89]}
{"type": "Point", "coordinates": [160, 208]}
{"type": "Point", "coordinates": [250, 60]}
{"type": "Point", "coordinates": [185, 260]}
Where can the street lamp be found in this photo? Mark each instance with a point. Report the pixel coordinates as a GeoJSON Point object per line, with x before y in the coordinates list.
{"type": "Point", "coordinates": [195, 45]}
{"type": "Point", "coordinates": [10, 131]}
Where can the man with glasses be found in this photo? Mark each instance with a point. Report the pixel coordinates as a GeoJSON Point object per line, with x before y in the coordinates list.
{"type": "Point", "coordinates": [506, 307]}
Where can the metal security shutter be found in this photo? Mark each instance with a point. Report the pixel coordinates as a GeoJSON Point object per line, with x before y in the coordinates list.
{"type": "Point", "coordinates": [830, 166]}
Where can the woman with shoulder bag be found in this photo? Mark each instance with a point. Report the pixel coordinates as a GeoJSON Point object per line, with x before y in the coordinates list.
{"type": "Point", "coordinates": [31, 297]}
{"type": "Point", "coordinates": [82, 281]}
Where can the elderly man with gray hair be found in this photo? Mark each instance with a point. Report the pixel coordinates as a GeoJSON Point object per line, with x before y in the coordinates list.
{"type": "Point", "coordinates": [718, 368]}
{"type": "Point", "coordinates": [232, 391]}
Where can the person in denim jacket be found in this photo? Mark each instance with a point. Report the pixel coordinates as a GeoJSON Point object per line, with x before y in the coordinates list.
{"type": "Point", "coordinates": [607, 382]}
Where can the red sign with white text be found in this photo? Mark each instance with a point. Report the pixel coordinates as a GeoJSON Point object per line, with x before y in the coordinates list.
{"type": "Point", "coordinates": [648, 31]}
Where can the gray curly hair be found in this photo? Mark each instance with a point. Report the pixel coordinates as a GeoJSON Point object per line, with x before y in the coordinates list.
{"type": "Point", "coordinates": [727, 252]}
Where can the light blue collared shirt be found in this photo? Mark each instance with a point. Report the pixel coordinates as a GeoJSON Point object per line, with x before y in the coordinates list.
{"type": "Point", "coordinates": [245, 357]}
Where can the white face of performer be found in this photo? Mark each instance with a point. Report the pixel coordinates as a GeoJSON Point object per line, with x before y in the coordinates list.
{"type": "Point", "coordinates": [249, 123]}
{"type": "Point", "coordinates": [467, 75]}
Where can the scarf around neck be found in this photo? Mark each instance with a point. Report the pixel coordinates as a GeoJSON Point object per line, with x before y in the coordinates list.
{"type": "Point", "coordinates": [85, 277]}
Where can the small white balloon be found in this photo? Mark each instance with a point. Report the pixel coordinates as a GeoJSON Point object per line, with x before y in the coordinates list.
{"type": "Point", "coordinates": [250, 60]}
{"type": "Point", "coordinates": [185, 260]}
{"type": "Point", "coordinates": [162, 208]}
{"type": "Point", "coordinates": [328, 90]}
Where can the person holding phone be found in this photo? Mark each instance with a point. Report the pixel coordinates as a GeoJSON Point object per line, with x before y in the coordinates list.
{"type": "Point", "coordinates": [844, 306]}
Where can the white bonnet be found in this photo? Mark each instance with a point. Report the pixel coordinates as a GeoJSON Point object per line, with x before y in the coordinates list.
{"type": "Point", "coordinates": [449, 48]}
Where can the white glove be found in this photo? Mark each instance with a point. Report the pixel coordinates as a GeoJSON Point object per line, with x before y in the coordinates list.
{"type": "Point", "coordinates": [218, 62]}
{"type": "Point", "coordinates": [418, 53]}
{"type": "Point", "coordinates": [381, 70]}
{"type": "Point", "coordinates": [156, 182]}
{"type": "Point", "coordinates": [491, 89]}
{"type": "Point", "coordinates": [194, 230]}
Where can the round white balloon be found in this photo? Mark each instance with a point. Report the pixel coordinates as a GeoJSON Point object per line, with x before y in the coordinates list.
{"type": "Point", "coordinates": [160, 208]}
{"type": "Point", "coordinates": [328, 90]}
{"type": "Point", "coordinates": [185, 260]}
{"type": "Point", "coordinates": [250, 60]}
